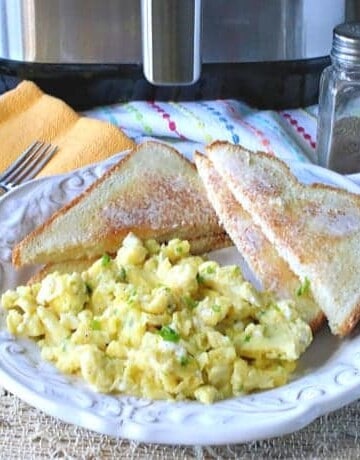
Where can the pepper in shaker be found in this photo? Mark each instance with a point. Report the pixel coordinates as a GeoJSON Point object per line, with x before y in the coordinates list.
{"type": "Point", "coordinates": [338, 133]}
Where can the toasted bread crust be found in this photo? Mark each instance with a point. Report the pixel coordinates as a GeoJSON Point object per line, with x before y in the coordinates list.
{"type": "Point", "coordinates": [349, 324]}
{"type": "Point", "coordinates": [154, 192]}
{"type": "Point", "coordinates": [315, 228]}
{"type": "Point", "coordinates": [270, 269]}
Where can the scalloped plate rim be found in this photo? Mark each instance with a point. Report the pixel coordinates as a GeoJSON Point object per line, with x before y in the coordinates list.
{"type": "Point", "coordinates": [160, 430]}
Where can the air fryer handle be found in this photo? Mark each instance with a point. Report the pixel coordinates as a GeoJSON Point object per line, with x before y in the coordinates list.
{"type": "Point", "coordinates": [171, 34]}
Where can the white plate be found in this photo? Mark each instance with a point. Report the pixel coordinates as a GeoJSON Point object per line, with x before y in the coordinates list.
{"type": "Point", "coordinates": [328, 376]}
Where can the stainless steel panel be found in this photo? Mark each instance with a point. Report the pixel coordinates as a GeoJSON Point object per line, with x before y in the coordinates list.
{"type": "Point", "coordinates": [171, 40]}
{"type": "Point", "coordinates": [70, 31]}
{"type": "Point", "coordinates": [110, 31]}
{"type": "Point", "coordinates": [263, 30]}
{"type": "Point", "coordinates": [353, 10]}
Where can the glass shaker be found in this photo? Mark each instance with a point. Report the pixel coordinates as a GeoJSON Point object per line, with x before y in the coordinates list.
{"type": "Point", "coordinates": [338, 134]}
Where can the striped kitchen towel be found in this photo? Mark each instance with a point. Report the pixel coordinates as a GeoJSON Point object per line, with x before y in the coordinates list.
{"type": "Point", "coordinates": [289, 134]}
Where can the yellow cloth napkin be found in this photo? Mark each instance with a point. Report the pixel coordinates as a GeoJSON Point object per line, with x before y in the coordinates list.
{"type": "Point", "coordinates": [28, 114]}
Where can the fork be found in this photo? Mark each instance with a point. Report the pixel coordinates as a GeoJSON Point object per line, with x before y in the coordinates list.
{"type": "Point", "coordinates": [29, 163]}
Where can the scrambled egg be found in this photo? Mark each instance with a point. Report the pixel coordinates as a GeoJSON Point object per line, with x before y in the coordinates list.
{"type": "Point", "coordinates": [159, 323]}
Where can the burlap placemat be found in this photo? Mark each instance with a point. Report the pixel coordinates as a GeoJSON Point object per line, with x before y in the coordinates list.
{"type": "Point", "coordinates": [27, 433]}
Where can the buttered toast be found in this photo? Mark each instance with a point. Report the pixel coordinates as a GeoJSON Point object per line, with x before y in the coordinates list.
{"type": "Point", "coordinates": [154, 192]}
{"type": "Point", "coordinates": [270, 269]}
{"type": "Point", "coordinates": [315, 228]}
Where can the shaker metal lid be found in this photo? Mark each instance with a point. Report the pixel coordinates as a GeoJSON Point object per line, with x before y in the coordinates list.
{"type": "Point", "coordinates": [346, 42]}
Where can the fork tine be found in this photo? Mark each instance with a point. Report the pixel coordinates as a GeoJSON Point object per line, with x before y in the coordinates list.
{"type": "Point", "coordinates": [38, 160]}
{"type": "Point", "coordinates": [27, 162]}
{"type": "Point", "coordinates": [7, 174]}
{"type": "Point", "coordinates": [44, 158]}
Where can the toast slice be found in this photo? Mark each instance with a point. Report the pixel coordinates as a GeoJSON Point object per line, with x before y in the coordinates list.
{"type": "Point", "coordinates": [315, 228]}
{"type": "Point", "coordinates": [153, 192]}
{"type": "Point", "coordinates": [273, 273]}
